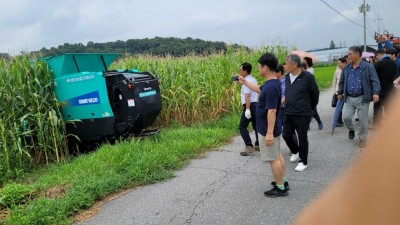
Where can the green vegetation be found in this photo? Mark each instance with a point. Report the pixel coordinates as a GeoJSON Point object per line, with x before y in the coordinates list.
{"type": "Point", "coordinates": [15, 194]}
{"type": "Point", "coordinates": [31, 129]}
{"type": "Point", "coordinates": [32, 132]}
{"type": "Point", "coordinates": [324, 76]}
{"type": "Point", "coordinates": [200, 111]}
{"type": "Point", "coordinates": [197, 89]}
{"type": "Point", "coordinates": [157, 46]}
{"type": "Point", "coordinates": [127, 164]}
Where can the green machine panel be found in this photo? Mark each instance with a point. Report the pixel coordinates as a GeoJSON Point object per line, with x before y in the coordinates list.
{"type": "Point", "coordinates": [84, 96]}
{"type": "Point", "coordinates": [80, 84]}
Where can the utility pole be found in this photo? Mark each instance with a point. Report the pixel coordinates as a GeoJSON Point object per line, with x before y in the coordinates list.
{"type": "Point", "coordinates": [364, 9]}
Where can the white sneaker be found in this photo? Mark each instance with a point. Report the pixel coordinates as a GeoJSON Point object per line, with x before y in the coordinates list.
{"type": "Point", "coordinates": [294, 157]}
{"type": "Point", "coordinates": [300, 167]}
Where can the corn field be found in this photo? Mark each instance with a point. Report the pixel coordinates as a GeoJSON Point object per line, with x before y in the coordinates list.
{"type": "Point", "coordinates": [31, 129]}
{"type": "Point", "coordinates": [194, 89]}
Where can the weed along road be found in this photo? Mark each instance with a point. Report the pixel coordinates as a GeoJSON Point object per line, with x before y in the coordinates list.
{"type": "Point", "coordinates": [226, 188]}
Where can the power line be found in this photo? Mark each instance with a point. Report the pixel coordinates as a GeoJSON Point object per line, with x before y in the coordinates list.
{"type": "Point", "coordinates": [352, 8]}
{"type": "Point", "coordinates": [375, 8]}
{"type": "Point", "coordinates": [341, 14]}
{"type": "Point", "coordinates": [369, 25]}
{"type": "Point", "coordinates": [379, 19]}
{"type": "Point", "coordinates": [352, 4]}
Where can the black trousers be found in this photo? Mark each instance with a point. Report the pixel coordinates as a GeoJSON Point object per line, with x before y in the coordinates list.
{"type": "Point", "coordinates": [244, 123]}
{"type": "Point", "coordinates": [295, 139]}
{"type": "Point", "coordinates": [316, 115]}
{"type": "Point", "coordinates": [380, 105]}
{"type": "Point", "coordinates": [300, 125]}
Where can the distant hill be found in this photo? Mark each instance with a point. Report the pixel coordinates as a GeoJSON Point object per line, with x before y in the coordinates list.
{"type": "Point", "coordinates": [156, 46]}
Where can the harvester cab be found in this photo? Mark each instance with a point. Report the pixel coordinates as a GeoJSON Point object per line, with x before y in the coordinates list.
{"type": "Point", "coordinates": [98, 103]}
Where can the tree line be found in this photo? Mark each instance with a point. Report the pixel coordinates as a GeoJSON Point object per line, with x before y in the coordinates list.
{"type": "Point", "coordinates": [158, 46]}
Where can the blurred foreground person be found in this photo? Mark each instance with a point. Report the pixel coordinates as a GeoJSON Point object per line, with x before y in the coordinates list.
{"type": "Point", "coordinates": [366, 194]}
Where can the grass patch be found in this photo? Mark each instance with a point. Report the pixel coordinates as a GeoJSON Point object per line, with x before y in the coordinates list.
{"type": "Point", "coordinates": [51, 195]}
{"type": "Point", "coordinates": [87, 178]}
{"type": "Point", "coordinates": [324, 76]}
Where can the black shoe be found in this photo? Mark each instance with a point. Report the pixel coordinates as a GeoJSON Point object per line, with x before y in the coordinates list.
{"type": "Point", "coordinates": [351, 134]}
{"type": "Point", "coordinates": [286, 184]}
{"type": "Point", "coordinates": [276, 192]}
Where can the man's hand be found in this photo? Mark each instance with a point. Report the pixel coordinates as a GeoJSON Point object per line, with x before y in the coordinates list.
{"type": "Point", "coordinates": [384, 38]}
{"type": "Point", "coordinates": [241, 80]}
{"type": "Point", "coordinates": [247, 114]}
{"type": "Point", "coordinates": [269, 139]}
{"type": "Point", "coordinates": [340, 97]}
{"type": "Point", "coordinates": [375, 98]}
{"type": "Point", "coordinates": [283, 100]}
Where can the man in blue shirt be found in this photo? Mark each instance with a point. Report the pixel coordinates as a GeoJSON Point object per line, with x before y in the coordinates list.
{"type": "Point", "coordinates": [358, 86]}
{"type": "Point", "coordinates": [269, 123]}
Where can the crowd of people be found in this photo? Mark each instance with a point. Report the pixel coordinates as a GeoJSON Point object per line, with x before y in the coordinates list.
{"type": "Point", "coordinates": [283, 106]}
{"type": "Point", "coordinates": [358, 82]}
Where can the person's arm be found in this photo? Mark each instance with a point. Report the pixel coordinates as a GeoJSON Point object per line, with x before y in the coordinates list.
{"type": "Point", "coordinates": [247, 100]}
{"type": "Point", "coordinates": [283, 91]}
{"type": "Point", "coordinates": [271, 117]}
{"type": "Point", "coordinates": [314, 92]}
{"type": "Point", "coordinates": [335, 80]}
{"type": "Point", "coordinates": [252, 86]}
{"type": "Point", "coordinates": [376, 85]}
{"type": "Point", "coordinates": [341, 84]}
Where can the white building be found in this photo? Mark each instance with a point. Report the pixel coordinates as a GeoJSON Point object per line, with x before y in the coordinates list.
{"type": "Point", "coordinates": [327, 56]}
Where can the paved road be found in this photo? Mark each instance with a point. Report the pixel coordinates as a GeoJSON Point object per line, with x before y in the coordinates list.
{"type": "Point", "coordinates": [226, 188]}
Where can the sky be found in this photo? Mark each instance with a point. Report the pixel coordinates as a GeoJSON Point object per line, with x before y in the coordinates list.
{"type": "Point", "coordinates": [28, 25]}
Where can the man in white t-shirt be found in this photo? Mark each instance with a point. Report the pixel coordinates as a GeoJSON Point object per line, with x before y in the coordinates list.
{"type": "Point", "coordinates": [249, 100]}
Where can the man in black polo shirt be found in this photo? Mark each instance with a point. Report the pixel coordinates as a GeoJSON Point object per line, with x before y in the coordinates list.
{"type": "Point", "coordinates": [386, 70]}
{"type": "Point", "coordinates": [358, 86]}
{"type": "Point", "coordinates": [302, 96]}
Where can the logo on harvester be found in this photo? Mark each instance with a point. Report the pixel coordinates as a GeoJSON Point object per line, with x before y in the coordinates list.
{"type": "Point", "coordinates": [147, 93]}
{"type": "Point", "coordinates": [80, 78]}
{"type": "Point", "coordinates": [147, 89]}
{"type": "Point", "coordinates": [86, 99]}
